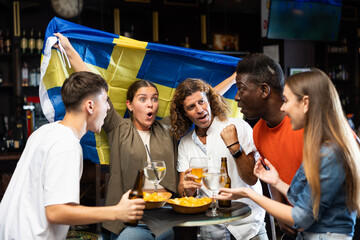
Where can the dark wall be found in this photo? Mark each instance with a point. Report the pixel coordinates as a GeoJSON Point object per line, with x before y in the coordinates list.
{"type": "Point", "coordinates": [175, 21]}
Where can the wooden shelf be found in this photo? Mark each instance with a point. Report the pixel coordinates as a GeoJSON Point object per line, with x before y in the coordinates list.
{"type": "Point", "coordinates": [233, 53]}
{"type": "Point", "coordinates": [10, 156]}
{"type": "Point", "coordinates": [6, 85]}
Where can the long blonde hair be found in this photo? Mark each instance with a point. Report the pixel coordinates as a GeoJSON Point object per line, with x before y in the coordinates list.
{"type": "Point", "coordinates": [325, 122]}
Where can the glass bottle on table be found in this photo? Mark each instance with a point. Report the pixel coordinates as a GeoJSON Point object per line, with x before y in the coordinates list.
{"type": "Point", "coordinates": [224, 170]}
{"type": "Point", "coordinates": [197, 164]}
{"type": "Point", "coordinates": [137, 192]}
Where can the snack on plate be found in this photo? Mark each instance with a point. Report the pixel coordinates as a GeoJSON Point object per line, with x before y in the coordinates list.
{"type": "Point", "coordinates": [156, 197]}
{"type": "Point", "coordinates": [190, 201]}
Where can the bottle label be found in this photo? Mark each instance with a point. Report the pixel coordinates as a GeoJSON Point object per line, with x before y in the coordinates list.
{"type": "Point", "coordinates": [25, 77]}
{"type": "Point", "coordinates": [32, 78]}
{"type": "Point", "coordinates": [25, 74]}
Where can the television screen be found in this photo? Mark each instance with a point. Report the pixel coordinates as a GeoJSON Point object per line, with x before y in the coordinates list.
{"type": "Point", "coordinates": [317, 20]}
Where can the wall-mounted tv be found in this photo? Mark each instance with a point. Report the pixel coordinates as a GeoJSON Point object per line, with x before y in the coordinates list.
{"type": "Point", "coordinates": [316, 20]}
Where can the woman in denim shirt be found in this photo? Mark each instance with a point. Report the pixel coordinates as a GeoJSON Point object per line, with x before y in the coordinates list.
{"type": "Point", "coordinates": [325, 191]}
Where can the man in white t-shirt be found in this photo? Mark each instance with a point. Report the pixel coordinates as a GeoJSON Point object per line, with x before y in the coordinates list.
{"type": "Point", "coordinates": [215, 136]}
{"type": "Point", "coordinates": [42, 199]}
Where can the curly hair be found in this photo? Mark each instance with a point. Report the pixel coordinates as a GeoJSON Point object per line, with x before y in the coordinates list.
{"type": "Point", "coordinates": [180, 124]}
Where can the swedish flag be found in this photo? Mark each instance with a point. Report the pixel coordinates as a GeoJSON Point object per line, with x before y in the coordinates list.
{"type": "Point", "coordinates": [121, 61]}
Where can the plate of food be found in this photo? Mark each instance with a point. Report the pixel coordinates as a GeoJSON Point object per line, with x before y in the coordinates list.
{"type": "Point", "coordinates": [156, 199]}
{"type": "Point", "coordinates": [190, 205]}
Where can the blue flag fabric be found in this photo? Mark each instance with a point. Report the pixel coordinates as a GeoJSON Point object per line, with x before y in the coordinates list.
{"type": "Point", "coordinates": [121, 61]}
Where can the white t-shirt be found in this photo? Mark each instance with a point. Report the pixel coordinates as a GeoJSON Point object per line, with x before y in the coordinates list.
{"type": "Point", "coordinates": [47, 173]}
{"type": "Point", "coordinates": [191, 146]}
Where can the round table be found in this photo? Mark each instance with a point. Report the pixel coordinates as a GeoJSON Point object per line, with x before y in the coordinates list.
{"type": "Point", "coordinates": [161, 219]}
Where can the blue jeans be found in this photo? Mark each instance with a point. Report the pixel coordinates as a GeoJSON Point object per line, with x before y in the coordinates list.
{"type": "Point", "coordinates": [141, 232]}
{"type": "Point", "coordinates": [322, 236]}
{"type": "Point", "coordinates": [220, 232]}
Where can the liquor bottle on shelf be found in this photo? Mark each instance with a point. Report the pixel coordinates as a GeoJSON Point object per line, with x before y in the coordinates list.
{"type": "Point", "coordinates": [7, 42]}
{"type": "Point", "coordinates": [187, 44]}
{"type": "Point", "coordinates": [38, 76]}
{"type": "Point", "coordinates": [341, 73]}
{"type": "Point", "coordinates": [18, 136]}
{"type": "Point", "coordinates": [224, 170]}
{"type": "Point", "coordinates": [1, 42]}
{"type": "Point", "coordinates": [29, 109]}
{"type": "Point", "coordinates": [345, 47]}
{"type": "Point", "coordinates": [31, 42]}
{"type": "Point", "coordinates": [24, 41]}
{"type": "Point", "coordinates": [32, 81]}
{"type": "Point", "coordinates": [39, 43]}
{"type": "Point", "coordinates": [25, 75]}
{"type": "Point", "coordinates": [1, 78]}
{"type": "Point", "coordinates": [137, 192]}
{"type": "Point", "coordinates": [3, 134]}
{"type": "Point", "coordinates": [338, 48]}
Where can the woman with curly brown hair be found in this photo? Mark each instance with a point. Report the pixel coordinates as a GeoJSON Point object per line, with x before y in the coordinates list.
{"type": "Point", "coordinates": [214, 136]}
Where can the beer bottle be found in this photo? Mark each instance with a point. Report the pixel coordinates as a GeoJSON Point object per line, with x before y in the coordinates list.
{"type": "Point", "coordinates": [224, 169]}
{"type": "Point", "coordinates": [137, 192]}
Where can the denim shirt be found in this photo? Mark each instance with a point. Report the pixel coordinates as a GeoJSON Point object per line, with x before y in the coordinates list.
{"type": "Point", "coordinates": [334, 216]}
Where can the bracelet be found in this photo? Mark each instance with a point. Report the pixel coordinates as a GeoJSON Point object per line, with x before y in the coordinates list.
{"type": "Point", "coordinates": [232, 144]}
{"type": "Point", "coordinates": [238, 153]}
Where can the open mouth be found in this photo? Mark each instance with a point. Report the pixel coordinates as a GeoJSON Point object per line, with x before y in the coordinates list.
{"type": "Point", "coordinates": [203, 117]}
{"type": "Point", "coordinates": [150, 114]}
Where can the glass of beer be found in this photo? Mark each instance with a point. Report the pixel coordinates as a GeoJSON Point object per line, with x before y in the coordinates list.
{"type": "Point", "coordinates": [197, 164]}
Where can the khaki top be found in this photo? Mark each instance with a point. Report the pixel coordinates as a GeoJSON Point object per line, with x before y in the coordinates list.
{"type": "Point", "coordinates": [128, 154]}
